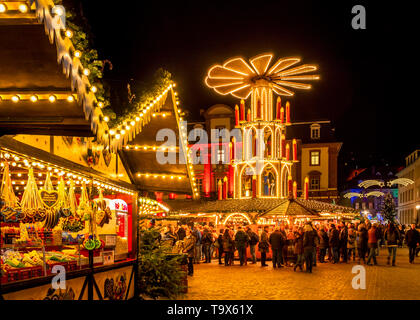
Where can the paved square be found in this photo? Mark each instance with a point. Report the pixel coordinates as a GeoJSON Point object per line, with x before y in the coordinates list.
{"type": "Point", "coordinates": [327, 282]}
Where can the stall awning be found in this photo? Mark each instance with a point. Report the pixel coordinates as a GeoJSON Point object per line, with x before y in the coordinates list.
{"type": "Point", "coordinates": [43, 89]}
{"type": "Point", "coordinates": [263, 207]}
{"type": "Point", "coordinates": [144, 155]}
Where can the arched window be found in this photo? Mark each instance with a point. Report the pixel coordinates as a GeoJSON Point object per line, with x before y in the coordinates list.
{"type": "Point", "coordinates": [277, 150]}
{"type": "Point", "coordinates": [269, 182]}
{"type": "Point", "coordinates": [246, 182]}
{"type": "Point", "coordinates": [268, 143]}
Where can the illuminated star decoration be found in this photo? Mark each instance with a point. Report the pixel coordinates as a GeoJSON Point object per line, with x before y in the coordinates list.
{"type": "Point", "coordinates": [403, 181]}
{"type": "Point", "coordinates": [237, 77]}
{"type": "Point", "coordinates": [370, 183]}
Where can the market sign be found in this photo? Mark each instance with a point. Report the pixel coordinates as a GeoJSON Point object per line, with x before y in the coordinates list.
{"type": "Point", "coordinates": [49, 198]}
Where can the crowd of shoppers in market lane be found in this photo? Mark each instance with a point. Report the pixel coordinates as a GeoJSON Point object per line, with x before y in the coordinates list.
{"type": "Point", "coordinates": [298, 246]}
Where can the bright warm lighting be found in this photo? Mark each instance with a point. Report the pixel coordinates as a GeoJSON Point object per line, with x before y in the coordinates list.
{"type": "Point", "coordinates": [77, 54]}
{"type": "Point", "coordinates": [106, 118]}
{"type": "Point", "coordinates": [52, 98]}
{"type": "Point", "coordinates": [237, 77]}
{"type": "Point", "coordinates": [23, 8]}
{"type": "Point", "coordinates": [69, 34]}
{"type": "Point", "coordinates": [93, 89]}
{"type": "Point", "coordinates": [3, 8]}
{"type": "Point", "coordinates": [100, 104]}
{"type": "Point", "coordinates": [33, 98]}
{"type": "Point", "coordinates": [86, 72]}
{"type": "Point", "coordinates": [70, 98]}
{"type": "Point", "coordinates": [15, 99]}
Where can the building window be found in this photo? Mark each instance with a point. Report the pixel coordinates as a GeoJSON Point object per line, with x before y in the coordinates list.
{"type": "Point", "coordinates": [200, 185]}
{"type": "Point", "coordinates": [221, 156]}
{"type": "Point", "coordinates": [315, 131]}
{"type": "Point", "coordinates": [315, 183]}
{"type": "Point", "coordinates": [315, 158]}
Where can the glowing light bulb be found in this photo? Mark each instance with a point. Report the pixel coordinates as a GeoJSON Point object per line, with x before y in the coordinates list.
{"type": "Point", "coordinates": [69, 33]}
{"type": "Point", "coordinates": [23, 8]}
{"type": "Point", "coordinates": [111, 132]}
{"type": "Point", "coordinates": [122, 131]}
{"type": "Point", "coordinates": [70, 98]}
{"type": "Point", "coordinates": [106, 118]}
{"type": "Point", "coordinates": [77, 54]}
{"type": "Point", "coordinates": [15, 99]}
{"type": "Point", "coordinates": [52, 98]}
{"type": "Point", "coordinates": [93, 89]}
{"type": "Point", "coordinates": [3, 8]}
{"type": "Point", "coordinates": [33, 98]}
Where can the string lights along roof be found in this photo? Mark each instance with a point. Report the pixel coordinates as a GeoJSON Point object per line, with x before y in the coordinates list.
{"type": "Point", "coordinates": [139, 150]}
{"type": "Point", "coordinates": [271, 206]}
{"type": "Point", "coordinates": [237, 77]}
{"type": "Point", "coordinates": [44, 88]}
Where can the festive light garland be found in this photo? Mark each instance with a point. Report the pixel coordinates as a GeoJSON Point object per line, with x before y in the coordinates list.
{"type": "Point", "coordinates": [79, 63]}
{"type": "Point", "coordinates": [23, 161]}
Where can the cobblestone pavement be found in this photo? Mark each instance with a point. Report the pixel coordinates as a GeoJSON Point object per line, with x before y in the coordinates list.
{"type": "Point", "coordinates": [327, 282]}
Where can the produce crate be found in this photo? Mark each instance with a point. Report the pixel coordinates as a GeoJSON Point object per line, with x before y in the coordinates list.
{"type": "Point", "coordinates": [72, 265]}
{"type": "Point", "coordinates": [12, 275]}
{"type": "Point", "coordinates": [51, 265]}
{"type": "Point", "coordinates": [36, 272]}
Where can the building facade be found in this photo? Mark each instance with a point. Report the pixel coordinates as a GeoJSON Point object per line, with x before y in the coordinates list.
{"type": "Point", "coordinates": [318, 152]}
{"type": "Point", "coordinates": [317, 157]}
{"type": "Point", "coordinates": [409, 195]}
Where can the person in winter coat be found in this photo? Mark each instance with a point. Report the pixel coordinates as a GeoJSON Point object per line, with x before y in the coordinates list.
{"type": "Point", "coordinates": [220, 244]}
{"type": "Point", "coordinates": [372, 244]}
{"type": "Point", "coordinates": [351, 243]}
{"type": "Point", "coordinates": [170, 236]}
{"type": "Point", "coordinates": [283, 256]}
{"type": "Point", "coordinates": [323, 244]}
{"type": "Point", "coordinates": [362, 242]}
{"type": "Point", "coordinates": [181, 233]}
{"type": "Point", "coordinates": [253, 240]}
{"type": "Point", "coordinates": [343, 235]}
{"type": "Point", "coordinates": [263, 246]}
{"type": "Point", "coordinates": [308, 246]}
{"type": "Point", "coordinates": [412, 238]}
{"type": "Point", "coordinates": [334, 243]}
{"type": "Point", "coordinates": [207, 242]}
{"type": "Point", "coordinates": [189, 246]}
{"type": "Point", "coordinates": [298, 242]}
{"type": "Point", "coordinates": [241, 242]}
{"type": "Point", "coordinates": [197, 235]}
{"type": "Point", "coordinates": [228, 247]}
{"type": "Point", "coordinates": [392, 238]}
{"type": "Point", "coordinates": [402, 236]}
{"type": "Point", "coordinates": [276, 241]}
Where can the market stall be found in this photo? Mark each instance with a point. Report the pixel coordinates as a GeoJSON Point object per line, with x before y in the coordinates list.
{"type": "Point", "coordinates": [54, 213]}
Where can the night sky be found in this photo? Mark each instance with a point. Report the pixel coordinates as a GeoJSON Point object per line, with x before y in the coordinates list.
{"type": "Point", "coordinates": [364, 87]}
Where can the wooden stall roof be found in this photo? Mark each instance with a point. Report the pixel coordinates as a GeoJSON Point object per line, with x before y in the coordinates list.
{"type": "Point", "coordinates": [147, 173]}
{"type": "Point", "coordinates": [269, 207]}
{"type": "Point", "coordinates": [36, 61]}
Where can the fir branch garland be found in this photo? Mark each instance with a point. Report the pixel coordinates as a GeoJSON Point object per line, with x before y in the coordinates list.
{"type": "Point", "coordinates": [161, 80]}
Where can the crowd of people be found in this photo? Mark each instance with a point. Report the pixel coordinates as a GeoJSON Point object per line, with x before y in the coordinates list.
{"type": "Point", "coordinates": [297, 246]}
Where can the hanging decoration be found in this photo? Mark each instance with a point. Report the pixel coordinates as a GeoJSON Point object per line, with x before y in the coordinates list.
{"type": "Point", "coordinates": [10, 210]}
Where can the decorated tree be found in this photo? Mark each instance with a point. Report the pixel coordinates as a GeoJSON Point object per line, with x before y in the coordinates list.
{"type": "Point", "coordinates": [388, 208]}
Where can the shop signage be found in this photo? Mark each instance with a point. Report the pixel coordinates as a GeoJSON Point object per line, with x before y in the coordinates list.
{"type": "Point", "coordinates": [49, 198]}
